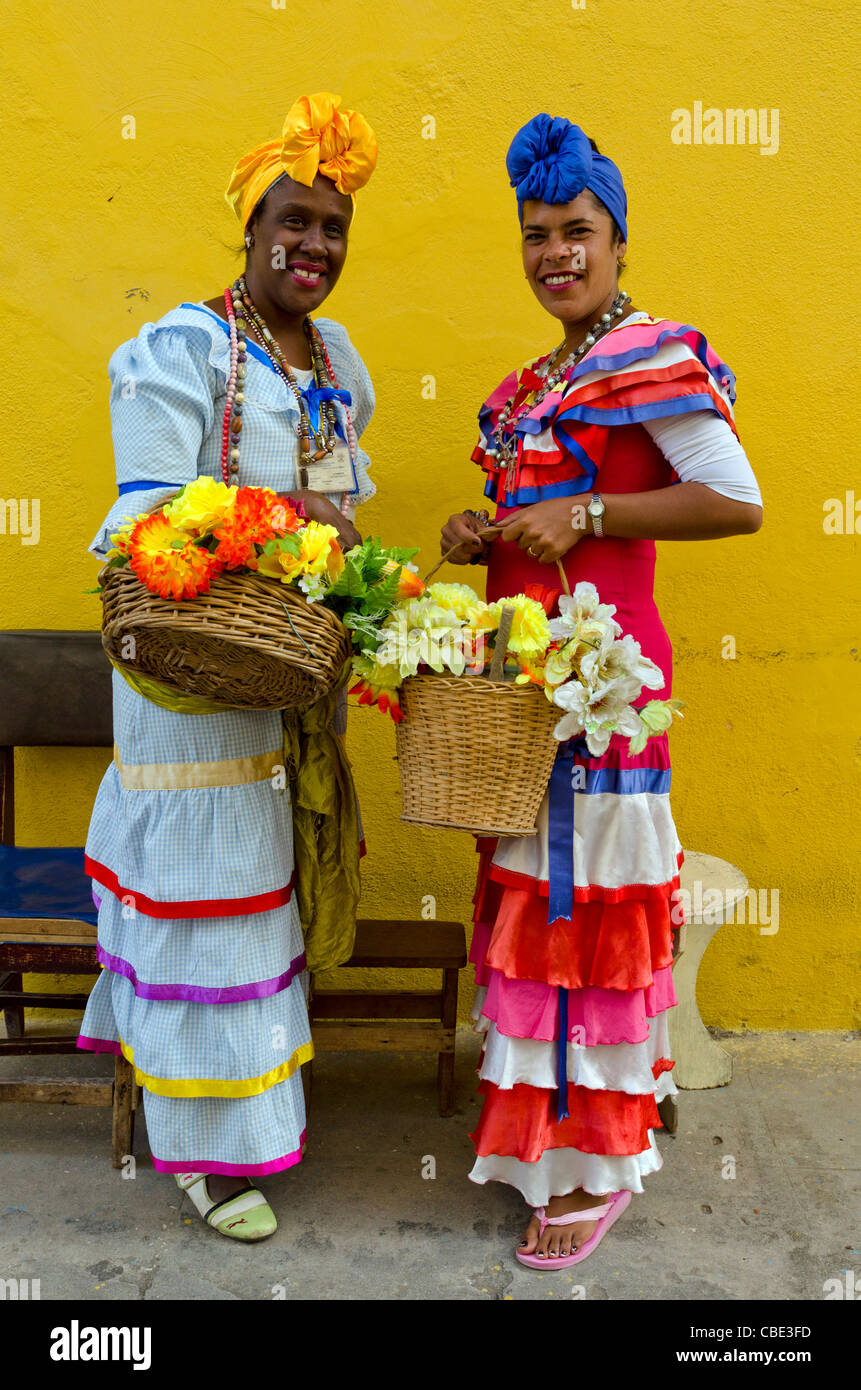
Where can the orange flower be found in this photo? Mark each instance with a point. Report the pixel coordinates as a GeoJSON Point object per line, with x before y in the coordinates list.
{"type": "Point", "coordinates": [257, 516]}
{"type": "Point", "coordinates": [409, 584]}
{"type": "Point", "coordinates": [169, 570]}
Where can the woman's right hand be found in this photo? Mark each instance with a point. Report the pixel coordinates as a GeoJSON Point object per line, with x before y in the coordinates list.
{"type": "Point", "coordinates": [461, 528]}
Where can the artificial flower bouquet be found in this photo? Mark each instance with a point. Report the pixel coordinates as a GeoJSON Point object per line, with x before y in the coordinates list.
{"type": "Point", "coordinates": [235, 595]}
{"type": "Point", "coordinates": [580, 659]}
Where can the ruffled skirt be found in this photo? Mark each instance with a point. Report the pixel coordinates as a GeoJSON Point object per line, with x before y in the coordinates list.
{"type": "Point", "coordinates": [612, 960]}
{"type": "Point", "coordinates": [203, 985]}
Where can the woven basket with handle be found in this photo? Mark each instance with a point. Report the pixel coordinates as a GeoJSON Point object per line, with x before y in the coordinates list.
{"type": "Point", "coordinates": [250, 642]}
{"type": "Point", "coordinates": [474, 753]}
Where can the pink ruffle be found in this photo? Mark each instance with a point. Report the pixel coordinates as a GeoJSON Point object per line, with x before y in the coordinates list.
{"type": "Point", "coordinates": [530, 1009]}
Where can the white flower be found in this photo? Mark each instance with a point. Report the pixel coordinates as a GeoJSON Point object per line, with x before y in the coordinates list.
{"type": "Point", "coordinates": [582, 606]}
{"type": "Point", "coordinates": [314, 586]}
{"type": "Point", "coordinates": [421, 632]}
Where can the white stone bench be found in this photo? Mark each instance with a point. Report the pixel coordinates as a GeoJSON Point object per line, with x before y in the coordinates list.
{"type": "Point", "coordinates": [701, 1063]}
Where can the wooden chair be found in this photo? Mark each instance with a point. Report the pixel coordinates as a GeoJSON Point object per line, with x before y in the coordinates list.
{"type": "Point", "coordinates": [397, 1021]}
{"type": "Point", "coordinates": [55, 689]}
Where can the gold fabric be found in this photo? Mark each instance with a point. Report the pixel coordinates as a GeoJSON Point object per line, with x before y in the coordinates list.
{"type": "Point", "coordinates": [325, 830]}
{"type": "Point", "coordinates": [224, 772]}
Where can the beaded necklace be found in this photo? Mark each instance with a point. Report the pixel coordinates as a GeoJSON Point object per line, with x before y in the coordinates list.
{"type": "Point", "coordinates": [240, 309]}
{"type": "Point", "coordinates": [550, 376]}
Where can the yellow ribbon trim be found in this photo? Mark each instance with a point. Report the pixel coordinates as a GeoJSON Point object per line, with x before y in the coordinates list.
{"type": "Point", "coordinates": [252, 1086]}
{"type": "Point", "coordinates": [224, 772]}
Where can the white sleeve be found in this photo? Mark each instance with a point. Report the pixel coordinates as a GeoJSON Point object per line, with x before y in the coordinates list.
{"type": "Point", "coordinates": [702, 448]}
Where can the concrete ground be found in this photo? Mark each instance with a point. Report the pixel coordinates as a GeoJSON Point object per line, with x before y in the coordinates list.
{"type": "Point", "coordinates": [759, 1196]}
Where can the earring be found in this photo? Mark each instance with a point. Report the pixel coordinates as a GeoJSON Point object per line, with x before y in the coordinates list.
{"type": "Point", "coordinates": [249, 241]}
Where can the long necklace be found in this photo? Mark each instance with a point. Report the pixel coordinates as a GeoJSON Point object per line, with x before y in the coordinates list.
{"type": "Point", "coordinates": [240, 309]}
{"type": "Point", "coordinates": [551, 375]}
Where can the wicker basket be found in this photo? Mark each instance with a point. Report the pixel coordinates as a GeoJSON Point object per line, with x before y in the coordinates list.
{"type": "Point", "coordinates": [250, 642]}
{"type": "Point", "coordinates": [474, 754]}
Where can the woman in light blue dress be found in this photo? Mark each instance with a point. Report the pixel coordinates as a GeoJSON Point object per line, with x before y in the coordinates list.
{"type": "Point", "coordinates": [190, 844]}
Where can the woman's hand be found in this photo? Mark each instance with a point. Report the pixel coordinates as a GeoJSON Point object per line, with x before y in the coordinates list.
{"type": "Point", "coordinates": [547, 530]}
{"type": "Point", "coordinates": [462, 527]}
{"type": "Point", "coordinates": [319, 508]}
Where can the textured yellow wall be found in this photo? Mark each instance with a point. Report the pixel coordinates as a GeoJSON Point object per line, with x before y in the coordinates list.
{"type": "Point", "coordinates": [752, 248]}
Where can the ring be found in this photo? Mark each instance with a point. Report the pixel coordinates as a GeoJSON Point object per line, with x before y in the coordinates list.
{"type": "Point", "coordinates": [530, 551]}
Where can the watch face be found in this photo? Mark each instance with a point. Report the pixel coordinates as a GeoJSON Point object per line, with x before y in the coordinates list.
{"type": "Point", "coordinates": [595, 508]}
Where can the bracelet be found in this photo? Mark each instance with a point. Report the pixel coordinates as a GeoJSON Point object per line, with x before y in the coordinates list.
{"type": "Point", "coordinates": [484, 518]}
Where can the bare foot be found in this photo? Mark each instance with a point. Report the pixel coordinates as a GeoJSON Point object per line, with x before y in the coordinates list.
{"type": "Point", "coordinates": [562, 1240]}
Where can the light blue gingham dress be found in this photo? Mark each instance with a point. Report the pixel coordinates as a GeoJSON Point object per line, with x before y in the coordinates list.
{"type": "Point", "coordinates": [208, 999]}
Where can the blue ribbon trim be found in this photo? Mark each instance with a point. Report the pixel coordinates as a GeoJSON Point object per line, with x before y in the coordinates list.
{"type": "Point", "coordinates": [561, 887]}
{"type": "Point", "coordinates": [561, 830]}
{"type": "Point", "coordinates": [562, 1057]}
{"type": "Point", "coordinates": [314, 397]}
{"type": "Point", "coordinates": [143, 485]}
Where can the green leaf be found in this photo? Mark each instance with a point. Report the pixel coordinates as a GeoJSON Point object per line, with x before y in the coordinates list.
{"type": "Point", "coordinates": [350, 582]}
{"type": "Point", "coordinates": [364, 629]}
{"type": "Point", "coordinates": [278, 544]}
{"type": "Point", "coordinates": [383, 597]}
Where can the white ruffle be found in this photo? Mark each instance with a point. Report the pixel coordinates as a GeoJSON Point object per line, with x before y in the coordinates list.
{"type": "Point", "coordinates": [559, 1171]}
{"type": "Point", "coordinates": [618, 840]}
{"type": "Point", "coordinates": [627, 1067]}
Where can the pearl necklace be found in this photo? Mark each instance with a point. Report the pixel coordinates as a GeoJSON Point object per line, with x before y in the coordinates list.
{"type": "Point", "coordinates": [551, 376]}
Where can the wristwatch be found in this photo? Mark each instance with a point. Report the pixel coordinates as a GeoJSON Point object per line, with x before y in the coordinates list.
{"type": "Point", "coordinates": [596, 510]}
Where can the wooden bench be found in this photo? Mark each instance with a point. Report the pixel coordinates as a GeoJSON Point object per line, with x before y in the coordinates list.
{"type": "Point", "coordinates": [397, 1021]}
{"type": "Point", "coordinates": [55, 689]}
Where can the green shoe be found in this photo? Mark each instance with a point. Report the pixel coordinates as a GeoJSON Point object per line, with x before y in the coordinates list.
{"type": "Point", "coordinates": [245, 1216]}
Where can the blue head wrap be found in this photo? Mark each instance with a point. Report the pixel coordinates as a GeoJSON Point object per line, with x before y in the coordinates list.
{"type": "Point", "coordinates": [550, 159]}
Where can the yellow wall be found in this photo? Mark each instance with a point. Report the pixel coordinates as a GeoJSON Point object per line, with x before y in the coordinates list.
{"type": "Point", "coordinates": [752, 248]}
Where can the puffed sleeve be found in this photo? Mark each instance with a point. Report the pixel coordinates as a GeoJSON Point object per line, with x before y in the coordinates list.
{"type": "Point", "coordinates": [162, 409]}
{"type": "Point", "coordinates": [353, 375]}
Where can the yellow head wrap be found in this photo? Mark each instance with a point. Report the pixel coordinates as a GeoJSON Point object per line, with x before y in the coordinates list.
{"type": "Point", "coordinates": [318, 137]}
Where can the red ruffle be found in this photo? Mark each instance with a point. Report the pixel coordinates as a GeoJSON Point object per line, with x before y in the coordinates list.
{"type": "Point", "coordinates": [521, 1122]}
{"type": "Point", "coordinates": [611, 945]}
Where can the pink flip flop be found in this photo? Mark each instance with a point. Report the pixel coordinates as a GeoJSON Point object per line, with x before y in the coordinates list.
{"type": "Point", "coordinates": [608, 1213]}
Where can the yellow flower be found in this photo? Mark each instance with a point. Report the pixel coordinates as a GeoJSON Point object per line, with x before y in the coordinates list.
{"type": "Point", "coordinates": [202, 505]}
{"type": "Point", "coordinates": [460, 598]}
{"type": "Point", "coordinates": [318, 553]}
{"type": "Point", "coordinates": [530, 630]}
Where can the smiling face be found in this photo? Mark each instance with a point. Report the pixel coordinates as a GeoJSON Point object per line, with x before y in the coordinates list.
{"type": "Point", "coordinates": [571, 256]}
{"type": "Point", "coordinates": [300, 245]}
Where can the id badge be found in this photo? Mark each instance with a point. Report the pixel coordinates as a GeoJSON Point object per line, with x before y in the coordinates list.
{"type": "Point", "coordinates": [334, 473]}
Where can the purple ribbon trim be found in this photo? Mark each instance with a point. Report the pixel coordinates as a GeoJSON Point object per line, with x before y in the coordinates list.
{"type": "Point", "coordinates": [201, 994]}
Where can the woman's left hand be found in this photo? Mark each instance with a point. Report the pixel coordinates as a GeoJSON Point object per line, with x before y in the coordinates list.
{"type": "Point", "coordinates": [319, 508]}
{"type": "Point", "coordinates": [547, 530]}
